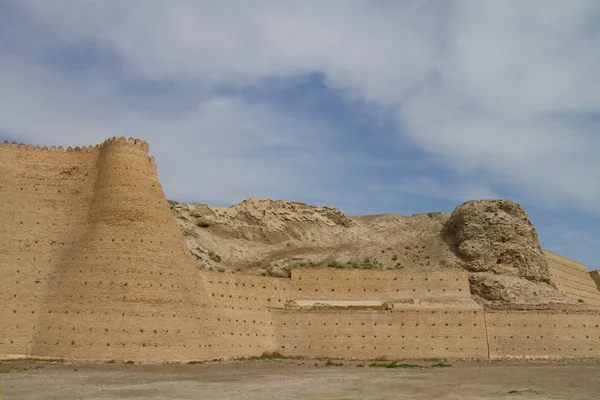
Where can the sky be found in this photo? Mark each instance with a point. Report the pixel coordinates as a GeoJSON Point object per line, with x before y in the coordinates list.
{"type": "Point", "coordinates": [367, 106]}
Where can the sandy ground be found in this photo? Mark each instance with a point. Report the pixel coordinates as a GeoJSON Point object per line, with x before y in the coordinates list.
{"type": "Point", "coordinates": [299, 379]}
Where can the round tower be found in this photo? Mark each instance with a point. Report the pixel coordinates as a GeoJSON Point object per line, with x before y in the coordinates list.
{"type": "Point", "coordinates": [124, 288]}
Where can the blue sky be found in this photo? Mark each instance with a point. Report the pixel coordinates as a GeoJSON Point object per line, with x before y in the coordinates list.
{"type": "Point", "coordinates": [368, 106]}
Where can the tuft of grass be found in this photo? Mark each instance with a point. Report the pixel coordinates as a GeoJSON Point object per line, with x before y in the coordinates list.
{"type": "Point", "coordinates": [393, 364]}
{"type": "Point", "coordinates": [330, 363]}
{"type": "Point", "coordinates": [359, 366]}
{"type": "Point", "coordinates": [395, 257]}
{"type": "Point", "coordinates": [110, 362]}
{"type": "Point", "coordinates": [129, 362]}
{"type": "Point", "coordinates": [440, 365]}
{"type": "Point", "coordinates": [335, 264]}
{"type": "Point", "coordinates": [7, 369]}
{"type": "Point", "coordinates": [581, 301]}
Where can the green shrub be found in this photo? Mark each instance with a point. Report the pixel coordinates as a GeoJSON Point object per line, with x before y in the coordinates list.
{"type": "Point", "coordinates": [330, 363]}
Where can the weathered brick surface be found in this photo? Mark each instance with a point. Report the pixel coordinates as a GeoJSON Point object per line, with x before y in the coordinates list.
{"type": "Point", "coordinates": [543, 334]}
{"type": "Point", "coordinates": [572, 279]}
{"type": "Point", "coordinates": [94, 266]}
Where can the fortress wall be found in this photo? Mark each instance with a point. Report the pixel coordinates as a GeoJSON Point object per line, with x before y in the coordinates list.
{"type": "Point", "coordinates": [241, 306]}
{"type": "Point", "coordinates": [351, 284]}
{"type": "Point", "coordinates": [124, 287]}
{"type": "Point", "coordinates": [117, 283]}
{"type": "Point", "coordinates": [403, 332]}
{"type": "Point", "coordinates": [43, 194]}
{"type": "Point", "coordinates": [596, 277]}
{"type": "Point", "coordinates": [543, 334]}
{"type": "Point", "coordinates": [94, 266]}
{"type": "Point", "coordinates": [572, 279]}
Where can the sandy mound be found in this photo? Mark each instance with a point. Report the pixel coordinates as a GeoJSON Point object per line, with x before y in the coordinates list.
{"type": "Point", "coordinates": [494, 239]}
{"type": "Point", "coordinates": [269, 237]}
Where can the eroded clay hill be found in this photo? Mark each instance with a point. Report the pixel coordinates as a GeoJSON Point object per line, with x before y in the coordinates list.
{"type": "Point", "coordinates": [493, 239]}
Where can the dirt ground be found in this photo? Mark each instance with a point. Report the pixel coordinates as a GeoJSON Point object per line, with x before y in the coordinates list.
{"type": "Point", "coordinates": [300, 379]}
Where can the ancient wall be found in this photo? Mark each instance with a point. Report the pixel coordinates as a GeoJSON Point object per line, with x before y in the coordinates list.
{"type": "Point", "coordinates": [354, 284]}
{"type": "Point", "coordinates": [93, 263]}
{"type": "Point", "coordinates": [596, 277]}
{"type": "Point", "coordinates": [572, 279]}
{"type": "Point", "coordinates": [93, 266]}
{"type": "Point", "coordinates": [543, 334]}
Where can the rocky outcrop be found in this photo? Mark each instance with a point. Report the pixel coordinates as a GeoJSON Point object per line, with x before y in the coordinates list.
{"type": "Point", "coordinates": [496, 236]}
{"type": "Point", "coordinates": [491, 289]}
{"type": "Point", "coordinates": [493, 239]}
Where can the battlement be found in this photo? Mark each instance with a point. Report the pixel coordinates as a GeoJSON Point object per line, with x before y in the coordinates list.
{"type": "Point", "coordinates": [114, 141]}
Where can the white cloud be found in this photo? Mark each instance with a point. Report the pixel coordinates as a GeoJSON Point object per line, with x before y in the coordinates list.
{"type": "Point", "coordinates": [506, 89]}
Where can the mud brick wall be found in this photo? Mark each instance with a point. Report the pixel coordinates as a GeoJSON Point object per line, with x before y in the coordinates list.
{"type": "Point", "coordinates": [93, 266]}
{"type": "Point", "coordinates": [596, 277]}
{"type": "Point", "coordinates": [543, 334]}
{"type": "Point", "coordinates": [394, 334]}
{"type": "Point", "coordinates": [347, 284]}
{"type": "Point", "coordinates": [93, 263]}
{"type": "Point", "coordinates": [572, 279]}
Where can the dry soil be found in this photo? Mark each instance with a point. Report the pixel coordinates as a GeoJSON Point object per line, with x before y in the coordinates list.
{"type": "Point", "coordinates": [300, 379]}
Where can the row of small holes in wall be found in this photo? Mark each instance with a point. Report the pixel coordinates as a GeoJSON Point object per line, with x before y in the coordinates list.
{"type": "Point", "coordinates": [584, 280]}
{"type": "Point", "coordinates": [593, 300]}
{"type": "Point", "coordinates": [99, 283]}
{"type": "Point", "coordinates": [589, 290]}
{"type": "Point", "coordinates": [542, 337]}
{"type": "Point", "coordinates": [371, 279]}
{"type": "Point", "coordinates": [120, 271]}
{"type": "Point", "coordinates": [257, 285]}
{"type": "Point", "coordinates": [142, 344]}
{"type": "Point", "coordinates": [553, 326]}
{"type": "Point", "coordinates": [422, 325]}
{"type": "Point", "coordinates": [99, 297]}
{"type": "Point", "coordinates": [130, 315]}
{"type": "Point", "coordinates": [578, 271]}
{"type": "Point", "coordinates": [240, 297]}
{"type": "Point", "coordinates": [389, 348]}
{"type": "Point", "coordinates": [395, 337]}
{"type": "Point", "coordinates": [544, 349]}
{"type": "Point", "coordinates": [595, 293]}
{"type": "Point", "coordinates": [385, 290]}
{"type": "Point", "coordinates": [528, 313]}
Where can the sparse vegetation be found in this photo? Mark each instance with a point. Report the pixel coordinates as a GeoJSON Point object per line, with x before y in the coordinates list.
{"type": "Point", "coordinates": [440, 365]}
{"type": "Point", "coordinates": [394, 364]}
{"type": "Point", "coordinates": [129, 362]}
{"type": "Point", "coordinates": [395, 257]}
{"type": "Point", "coordinates": [283, 273]}
{"type": "Point", "coordinates": [214, 256]}
{"type": "Point", "coordinates": [581, 301]}
{"type": "Point", "coordinates": [330, 363]}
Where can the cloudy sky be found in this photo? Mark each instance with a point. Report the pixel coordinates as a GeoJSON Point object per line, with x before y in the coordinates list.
{"type": "Point", "coordinates": [368, 106]}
